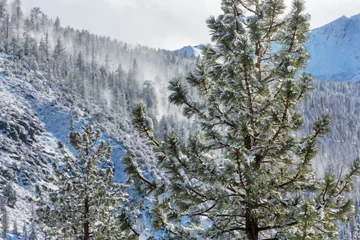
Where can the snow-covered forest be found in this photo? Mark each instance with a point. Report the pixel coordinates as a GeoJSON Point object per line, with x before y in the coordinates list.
{"type": "Point", "coordinates": [54, 80]}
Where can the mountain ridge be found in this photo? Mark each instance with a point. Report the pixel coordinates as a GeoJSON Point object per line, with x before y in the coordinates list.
{"type": "Point", "coordinates": [335, 55]}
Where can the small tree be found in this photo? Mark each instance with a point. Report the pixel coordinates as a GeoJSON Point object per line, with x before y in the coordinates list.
{"type": "Point", "coordinates": [86, 202]}
{"type": "Point", "coordinates": [4, 221]}
{"type": "Point", "coordinates": [32, 235]}
{"type": "Point", "coordinates": [15, 230]}
{"type": "Point", "coordinates": [9, 195]}
{"type": "Point", "coordinates": [25, 232]}
{"type": "Point", "coordinates": [246, 174]}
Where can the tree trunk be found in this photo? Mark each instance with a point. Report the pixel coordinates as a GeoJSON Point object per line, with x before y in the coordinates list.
{"type": "Point", "coordinates": [86, 223]}
{"type": "Point", "coordinates": [252, 230]}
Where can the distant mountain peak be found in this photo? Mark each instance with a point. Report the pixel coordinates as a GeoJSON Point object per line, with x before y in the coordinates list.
{"type": "Point", "coordinates": [191, 50]}
{"type": "Point", "coordinates": [334, 50]}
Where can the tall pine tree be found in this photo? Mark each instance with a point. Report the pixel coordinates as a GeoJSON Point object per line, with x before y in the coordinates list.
{"type": "Point", "coordinates": [246, 173]}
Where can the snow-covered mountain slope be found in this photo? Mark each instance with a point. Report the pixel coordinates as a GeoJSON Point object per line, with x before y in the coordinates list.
{"type": "Point", "coordinates": [335, 50]}
{"type": "Point", "coordinates": [35, 114]}
{"type": "Point", "coordinates": [27, 149]}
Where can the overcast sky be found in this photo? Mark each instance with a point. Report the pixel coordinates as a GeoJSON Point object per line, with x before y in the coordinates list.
{"type": "Point", "coordinates": [168, 24]}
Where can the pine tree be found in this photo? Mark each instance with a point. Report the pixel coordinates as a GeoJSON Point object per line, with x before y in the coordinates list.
{"type": "Point", "coordinates": [59, 56]}
{"type": "Point", "coordinates": [7, 32]}
{"type": "Point", "coordinates": [25, 232]}
{"type": "Point", "coordinates": [80, 75]}
{"type": "Point", "coordinates": [149, 97]}
{"type": "Point", "coordinates": [150, 101]}
{"type": "Point", "coordinates": [9, 195]}
{"type": "Point", "coordinates": [119, 89]}
{"type": "Point", "coordinates": [132, 87]}
{"type": "Point", "coordinates": [3, 9]}
{"type": "Point", "coordinates": [57, 25]}
{"type": "Point", "coordinates": [43, 55]}
{"type": "Point", "coordinates": [246, 174]}
{"type": "Point", "coordinates": [17, 16]}
{"type": "Point", "coordinates": [87, 202]}
{"type": "Point", "coordinates": [32, 234]}
{"type": "Point", "coordinates": [4, 220]}
{"type": "Point", "coordinates": [59, 50]}
{"type": "Point", "coordinates": [47, 47]}
{"type": "Point", "coordinates": [15, 230]}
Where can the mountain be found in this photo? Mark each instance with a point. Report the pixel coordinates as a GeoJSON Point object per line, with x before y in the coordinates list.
{"type": "Point", "coordinates": [190, 51]}
{"type": "Point", "coordinates": [334, 50]}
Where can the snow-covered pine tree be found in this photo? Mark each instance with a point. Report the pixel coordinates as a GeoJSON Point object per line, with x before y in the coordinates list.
{"type": "Point", "coordinates": [4, 220]}
{"type": "Point", "coordinates": [133, 89]}
{"type": "Point", "coordinates": [15, 230]}
{"type": "Point", "coordinates": [86, 203]}
{"type": "Point", "coordinates": [246, 173]}
{"type": "Point", "coordinates": [9, 195]}
{"type": "Point", "coordinates": [32, 234]}
{"type": "Point", "coordinates": [57, 25]}
{"type": "Point", "coordinates": [24, 233]}
{"type": "Point", "coordinates": [3, 8]}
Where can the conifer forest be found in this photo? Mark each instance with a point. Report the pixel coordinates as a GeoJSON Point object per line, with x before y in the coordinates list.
{"type": "Point", "coordinates": [252, 135]}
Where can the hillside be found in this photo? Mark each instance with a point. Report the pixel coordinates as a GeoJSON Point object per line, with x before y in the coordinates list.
{"type": "Point", "coordinates": [35, 115]}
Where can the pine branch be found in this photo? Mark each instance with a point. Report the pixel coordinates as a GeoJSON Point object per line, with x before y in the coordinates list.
{"type": "Point", "coordinates": [246, 7]}
{"type": "Point", "coordinates": [204, 211]}
{"type": "Point", "coordinates": [237, 15]}
{"type": "Point", "coordinates": [250, 101]}
{"type": "Point", "coordinates": [278, 226]}
{"type": "Point", "coordinates": [284, 117]}
{"type": "Point", "coordinates": [321, 127]}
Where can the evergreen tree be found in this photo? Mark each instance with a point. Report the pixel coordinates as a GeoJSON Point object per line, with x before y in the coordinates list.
{"type": "Point", "coordinates": [17, 16]}
{"type": "Point", "coordinates": [7, 32]}
{"type": "Point", "coordinates": [59, 50]}
{"type": "Point", "coordinates": [133, 88]}
{"type": "Point", "coordinates": [4, 220]}
{"type": "Point", "coordinates": [57, 25]}
{"type": "Point", "coordinates": [246, 174]}
{"type": "Point", "coordinates": [15, 230]}
{"type": "Point", "coordinates": [163, 129]}
{"type": "Point", "coordinates": [149, 99]}
{"type": "Point", "coordinates": [3, 6]}
{"type": "Point", "coordinates": [80, 75]}
{"type": "Point", "coordinates": [119, 89]}
{"type": "Point", "coordinates": [9, 195]}
{"type": "Point", "coordinates": [32, 234]}
{"type": "Point", "coordinates": [47, 47]}
{"type": "Point", "coordinates": [59, 56]}
{"type": "Point", "coordinates": [87, 202]}
{"type": "Point", "coordinates": [25, 232]}
{"type": "Point", "coordinates": [43, 55]}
